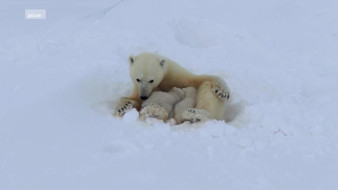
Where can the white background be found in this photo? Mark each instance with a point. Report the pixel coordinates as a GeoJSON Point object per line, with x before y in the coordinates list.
{"type": "Point", "coordinates": [60, 79]}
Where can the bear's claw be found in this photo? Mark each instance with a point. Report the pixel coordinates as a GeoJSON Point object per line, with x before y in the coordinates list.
{"type": "Point", "coordinates": [220, 90]}
{"type": "Point", "coordinates": [121, 110]}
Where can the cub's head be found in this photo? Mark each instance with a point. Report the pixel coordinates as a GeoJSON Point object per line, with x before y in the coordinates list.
{"type": "Point", "coordinates": [147, 71]}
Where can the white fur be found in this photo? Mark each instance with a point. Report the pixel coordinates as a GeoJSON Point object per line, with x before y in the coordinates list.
{"type": "Point", "coordinates": [212, 91]}
{"type": "Point", "coordinates": [189, 101]}
{"type": "Point", "coordinates": [166, 100]}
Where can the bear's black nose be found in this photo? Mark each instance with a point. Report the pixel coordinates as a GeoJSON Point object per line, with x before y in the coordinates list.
{"type": "Point", "coordinates": [144, 97]}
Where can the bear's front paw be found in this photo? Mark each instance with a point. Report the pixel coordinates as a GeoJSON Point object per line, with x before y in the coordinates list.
{"type": "Point", "coordinates": [124, 106]}
{"type": "Point", "coordinates": [196, 115]}
{"type": "Point", "coordinates": [221, 90]}
{"type": "Point", "coordinates": [154, 111]}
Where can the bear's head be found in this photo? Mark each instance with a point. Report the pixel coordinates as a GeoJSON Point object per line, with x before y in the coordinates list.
{"type": "Point", "coordinates": [147, 71]}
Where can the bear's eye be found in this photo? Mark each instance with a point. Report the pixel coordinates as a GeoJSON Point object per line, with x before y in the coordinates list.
{"type": "Point", "coordinates": [151, 81]}
{"type": "Point", "coordinates": [138, 80]}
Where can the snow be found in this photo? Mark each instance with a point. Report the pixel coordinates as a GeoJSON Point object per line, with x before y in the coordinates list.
{"type": "Point", "coordinates": [61, 77]}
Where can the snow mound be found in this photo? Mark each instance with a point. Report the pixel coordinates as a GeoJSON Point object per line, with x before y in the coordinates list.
{"type": "Point", "coordinates": [60, 79]}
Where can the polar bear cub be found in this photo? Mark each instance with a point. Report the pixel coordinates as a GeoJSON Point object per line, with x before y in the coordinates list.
{"type": "Point", "coordinates": [189, 101]}
{"type": "Point", "coordinates": [160, 104]}
{"type": "Point", "coordinates": [164, 105]}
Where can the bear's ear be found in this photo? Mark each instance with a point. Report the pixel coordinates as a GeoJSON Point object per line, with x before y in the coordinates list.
{"type": "Point", "coordinates": [162, 62]}
{"type": "Point", "coordinates": [131, 59]}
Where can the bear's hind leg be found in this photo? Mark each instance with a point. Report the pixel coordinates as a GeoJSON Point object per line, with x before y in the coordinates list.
{"type": "Point", "coordinates": [208, 105]}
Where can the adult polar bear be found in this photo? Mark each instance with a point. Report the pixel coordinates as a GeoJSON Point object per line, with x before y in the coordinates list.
{"type": "Point", "coordinates": [150, 72]}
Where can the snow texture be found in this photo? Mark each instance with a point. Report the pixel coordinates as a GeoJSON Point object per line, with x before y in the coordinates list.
{"type": "Point", "coordinates": [60, 79]}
